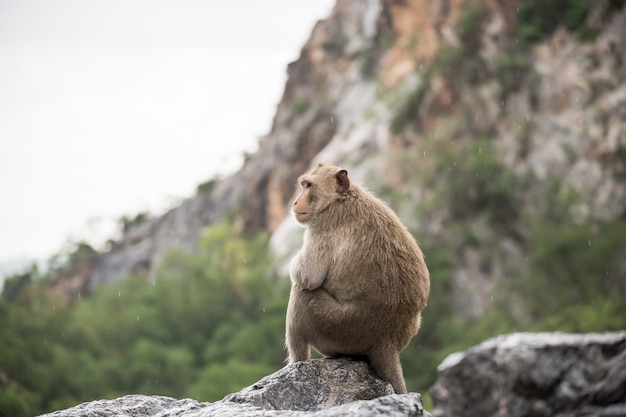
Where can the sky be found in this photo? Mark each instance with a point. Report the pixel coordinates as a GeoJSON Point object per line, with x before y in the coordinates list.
{"type": "Point", "coordinates": [114, 107]}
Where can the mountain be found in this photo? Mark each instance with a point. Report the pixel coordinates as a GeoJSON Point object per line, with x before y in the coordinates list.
{"type": "Point", "coordinates": [482, 123]}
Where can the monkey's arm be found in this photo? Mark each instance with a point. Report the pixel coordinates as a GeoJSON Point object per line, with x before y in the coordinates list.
{"type": "Point", "coordinates": [309, 269]}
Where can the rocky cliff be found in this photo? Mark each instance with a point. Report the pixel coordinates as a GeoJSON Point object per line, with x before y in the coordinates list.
{"type": "Point", "coordinates": [542, 374]}
{"type": "Point", "coordinates": [320, 387]}
{"type": "Point", "coordinates": [384, 87]}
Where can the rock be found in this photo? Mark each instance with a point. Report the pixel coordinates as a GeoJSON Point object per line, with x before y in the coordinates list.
{"type": "Point", "coordinates": [541, 374]}
{"type": "Point", "coordinates": [319, 387]}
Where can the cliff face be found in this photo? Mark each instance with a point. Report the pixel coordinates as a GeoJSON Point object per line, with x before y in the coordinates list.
{"type": "Point", "coordinates": [381, 86]}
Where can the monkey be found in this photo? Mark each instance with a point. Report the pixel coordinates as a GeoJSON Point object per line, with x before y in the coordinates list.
{"type": "Point", "coordinates": [359, 282]}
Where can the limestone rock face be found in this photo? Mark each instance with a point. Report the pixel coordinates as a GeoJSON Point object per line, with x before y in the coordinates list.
{"type": "Point", "coordinates": [540, 374]}
{"type": "Point", "coordinates": [319, 387]}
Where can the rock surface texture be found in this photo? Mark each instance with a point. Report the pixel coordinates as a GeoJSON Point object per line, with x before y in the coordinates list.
{"type": "Point", "coordinates": [319, 387]}
{"type": "Point", "coordinates": [542, 374]}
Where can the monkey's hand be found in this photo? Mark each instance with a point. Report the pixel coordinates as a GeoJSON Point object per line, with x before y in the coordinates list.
{"type": "Point", "coordinates": [306, 273]}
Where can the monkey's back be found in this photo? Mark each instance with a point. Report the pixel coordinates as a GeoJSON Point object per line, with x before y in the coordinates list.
{"type": "Point", "coordinates": [377, 264]}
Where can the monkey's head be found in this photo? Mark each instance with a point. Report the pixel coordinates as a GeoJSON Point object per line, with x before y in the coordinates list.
{"type": "Point", "coordinates": [319, 189]}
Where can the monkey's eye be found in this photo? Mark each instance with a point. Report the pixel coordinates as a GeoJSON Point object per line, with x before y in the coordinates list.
{"type": "Point", "coordinates": [306, 184]}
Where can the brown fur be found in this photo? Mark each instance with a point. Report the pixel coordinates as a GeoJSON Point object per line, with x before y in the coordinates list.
{"type": "Point", "coordinates": [359, 282]}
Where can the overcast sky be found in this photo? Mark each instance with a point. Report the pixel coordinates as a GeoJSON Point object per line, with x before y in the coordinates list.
{"type": "Point", "coordinates": [112, 107]}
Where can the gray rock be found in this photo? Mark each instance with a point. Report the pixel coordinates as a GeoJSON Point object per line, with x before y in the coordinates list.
{"type": "Point", "coordinates": [319, 387]}
{"type": "Point", "coordinates": [541, 374]}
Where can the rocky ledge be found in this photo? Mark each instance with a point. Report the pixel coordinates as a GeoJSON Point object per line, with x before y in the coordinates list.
{"type": "Point", "coordinates": [535, 374]}
{"type": "Point", "coordinates": [319, 387]}
{"type": "Point", "coordinates": [521, 374]}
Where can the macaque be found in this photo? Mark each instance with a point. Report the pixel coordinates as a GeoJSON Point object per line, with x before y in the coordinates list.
{"type": "Point", "coordinates": [359, 282]}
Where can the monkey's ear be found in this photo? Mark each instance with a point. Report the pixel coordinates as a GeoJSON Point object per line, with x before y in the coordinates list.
{"type": "Point", "coordinates": [343, 182]}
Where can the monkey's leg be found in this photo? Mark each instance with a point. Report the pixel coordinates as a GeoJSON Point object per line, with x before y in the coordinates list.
{"type": "Point", "coordinates": [386, 363]}
{"type": "Point", "coordinates": [295, 340]}
{"type": "Point", "coordinates": [297, 346]}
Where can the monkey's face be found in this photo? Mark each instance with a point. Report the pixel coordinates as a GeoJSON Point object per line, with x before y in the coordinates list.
{"type": "Point", "coordinates": [302, 206]}
{"type": "Point", "coordinates": [319, 189]}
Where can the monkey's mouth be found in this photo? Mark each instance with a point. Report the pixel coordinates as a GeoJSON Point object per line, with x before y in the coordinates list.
{"type": "Point", "coordinates": [301, 214]}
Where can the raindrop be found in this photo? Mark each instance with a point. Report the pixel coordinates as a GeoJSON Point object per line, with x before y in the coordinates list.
{"type": "Point", "coordinates": [171, 232]}
{"type": "Point", "coordinates": [264, 309]}
{"type": "Point", "coordinates": [119, 294]}
{"type": "Point", "coordinates": [590, 243]}
{"type": "Point", "coordinates": [137, 318]}
{"type": "Point", "coordinates": [424, 152]}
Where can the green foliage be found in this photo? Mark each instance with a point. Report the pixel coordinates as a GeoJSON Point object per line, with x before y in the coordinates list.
{"type": "Point", "coordinates": [478, 184]}
{"type": "Point", "coordinates": [11, 404]}
{"type": "Point", "coordinates": [82, 251]}
{"type": "Point", "coordinates": [469, 25]}
{"type": "Point", "coordinates": [408, 112]}
{"type": "Point", "coordinates": [538, 19]}
{"type": "Point", "coordinates": [368, 63]}
{"type": "Point", "coordinates": [573, 263]}
{"type": "Point", "coordinates": [619, 169]}
{"type": "Point", "coordinates": [16, 283]}
{"type": "Point", "coordinates": [463, 64]}
{"type": "Point", "coordinates": [569, 277]}
{"type": "Point", "coordinates": [510, 71]}
{"type": "Point", "coordinates": [300, 106]}
{"type": "Point", "coordinates": [217, 312]}
{"type": "Point", "coordinates": [450, 63]}
{"type": "Point", "coordinates": [128, 222]}
{"type": "Point", "coordinates": [207, 186]}
{"type": "Point", "coordinates": [219, 379]}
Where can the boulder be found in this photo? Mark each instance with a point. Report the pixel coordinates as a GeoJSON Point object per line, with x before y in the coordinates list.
{"type": "Point", "coordinates": [535, 374]}
{"type": "Point", "coordinates": [319, 387]}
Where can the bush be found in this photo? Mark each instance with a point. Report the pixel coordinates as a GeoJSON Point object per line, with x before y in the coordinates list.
{"type": "Point", "coordinates": [469, 26]}
{"type": "Point", "coordinates": [218, 308]}
{"type": "Point", "coordinates": [538, 19]}
{"type": "Point", "coordinates": [408, 112]}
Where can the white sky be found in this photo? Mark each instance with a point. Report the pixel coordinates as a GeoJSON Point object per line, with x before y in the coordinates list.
{"type": "Point", "coordinates": [112, 107]}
